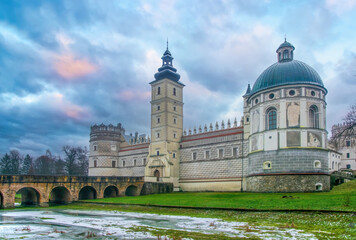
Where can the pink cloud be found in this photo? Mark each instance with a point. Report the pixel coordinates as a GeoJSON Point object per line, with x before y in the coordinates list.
{"type": "Point", "coordinates": [129, 95]}
{"type": "Point", "coordinates": [69, 67]}
{"type": "Point", "coordinates": [67, 108]}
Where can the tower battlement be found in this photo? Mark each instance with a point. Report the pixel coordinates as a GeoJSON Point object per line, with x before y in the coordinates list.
{"type": "Point", "coordinates": [106, 132]}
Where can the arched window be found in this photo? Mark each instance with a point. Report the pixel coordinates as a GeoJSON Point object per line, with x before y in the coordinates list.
{"type": "Point", "coordinates": [285, 54]}
{"type": "Point", "coordinates": [313, 117]}
{"type": "Point", "coordinates": [158, 90]}
{"type": "Point", "coordinates": [174, 92]}
{"type": "Point", "coordinates": [271, 119]}
{"type": "Point", "coordinates": [279, 56]}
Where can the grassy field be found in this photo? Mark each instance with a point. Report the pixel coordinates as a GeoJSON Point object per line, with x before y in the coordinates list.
{"type": "Point", "coordinates": [322, 225]}
{"type": "Point", "coordinates": [342, 197]}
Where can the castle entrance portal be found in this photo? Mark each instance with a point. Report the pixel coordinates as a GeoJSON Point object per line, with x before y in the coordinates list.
{"type": "Point", "coordinates": [157, 175]}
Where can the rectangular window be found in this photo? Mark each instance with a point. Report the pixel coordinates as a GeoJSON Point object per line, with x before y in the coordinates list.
{"type": "Point", "coordinates": [174, 92]}
{"type": "Point", "coordinates": [135, 162]}
{"type": "Point", "coordinates": [234, 151]}
{"type": "Point", "coordinates": [157, 135]}
{"type": "Point", "coordinates": [347, 155]}
{"type": "Point", "coordinates": [174, 108]}
{"type": "Point", "coordinates": [144, 162]}
{"type": "Point", "coordinates": [348, 143]}
{"type": "Point", "coordinates": [158, 90]}
{"type": "Point", "coordinates": [174, 155]}
{"type": "Point", "coordinates": [157, 153]}
{"type": "Point", "coordinates": [95, 148]}
{"type": "Point", "coordinates": [221, 153]}
{"type": "Point", "coordinates": [174, 135]}
{"type": "Point", "coordinates": [207, 154]}
{"type": "Point", "coordinates": [158, 107]}
{"type": "Point", "coordinates": [95, 163]}
{"type": "Point", "coordinates": [158, 120]}
{"type": "Point", "coordinates": [348, 166]}
{"type": "Point", "coordinates": [194, 156]}
{"type": "Point", "coordinates": [175, 121]}
{"type": "Point", "coordinates": [123, 163]}
{"type": "Point", "coordinates": [113, 164]}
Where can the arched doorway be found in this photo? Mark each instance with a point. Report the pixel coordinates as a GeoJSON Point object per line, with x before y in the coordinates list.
{"type": "Point", "coordinates": [60, 195]}
{"type": "Point", "coordinates": [87, 193]}
{"type": "Point", "coordinates": [111, 191]}
{"type": "Point", "coordinates": [29, 196]}
{"type": "Point", "coordinates": [131, 191]}
{"type": "Point", "coordinates": [157, 175]}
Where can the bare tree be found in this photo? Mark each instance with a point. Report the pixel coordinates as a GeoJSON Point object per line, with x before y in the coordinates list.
{"type": "Point", "coordinates": [76, 161]}
{"type": "Point", "coordinates": [344, 131]}
{"type": "Point", "coordinates": [44, 165]}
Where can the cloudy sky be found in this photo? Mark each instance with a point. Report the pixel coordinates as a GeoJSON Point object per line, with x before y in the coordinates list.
{"type": "Point", "coordinates": [66, 65]}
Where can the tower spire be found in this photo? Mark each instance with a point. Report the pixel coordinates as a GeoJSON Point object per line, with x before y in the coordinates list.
{"type": "Point", "coordinates": [167, 43]}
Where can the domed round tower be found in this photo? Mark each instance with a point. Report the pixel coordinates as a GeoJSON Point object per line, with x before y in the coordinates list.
{"type": "Point", "coordinates": [287, 135]}
{"type": "Point", "coordinates": [104, 147]}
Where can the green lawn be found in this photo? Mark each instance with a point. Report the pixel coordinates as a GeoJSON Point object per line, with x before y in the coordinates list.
{"type": "Point", "coordinates": [342, 197]}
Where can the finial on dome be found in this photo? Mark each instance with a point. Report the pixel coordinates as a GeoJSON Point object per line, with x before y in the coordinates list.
{"type": "Point", "coordinates": [167, 43]}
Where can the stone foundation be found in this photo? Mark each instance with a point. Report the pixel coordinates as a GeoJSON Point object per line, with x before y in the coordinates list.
{"type": "Point", "coordinates": [288, 183]}
{"type": "Point", "coordinates": [155, 187]}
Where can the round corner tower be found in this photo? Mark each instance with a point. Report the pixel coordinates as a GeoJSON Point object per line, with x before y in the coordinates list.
{"type": "Point", "coordinates": [104, 147]}
{"type": "Point", "coordinates": [287, 134]}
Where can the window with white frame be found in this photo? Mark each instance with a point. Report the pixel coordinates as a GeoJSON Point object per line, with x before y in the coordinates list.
{"type": "Point", "coordinates": [317, 164]}
{"type": "Point", "coordinates": [313, 117]}
{"type": "Point", "coordinates": [207, 154]}
{"type": "Point", "coordinates": [221, 153]}
{"type": "Point", "coordinates": [267, 165]}
{"type": "Point", "coordinates": [235, 152]}
{"type": "Point", "coordinates": [318, 187]}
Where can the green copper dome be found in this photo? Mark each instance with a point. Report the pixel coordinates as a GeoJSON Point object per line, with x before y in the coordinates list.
{"type": "Point", "coordinates": [286, 71]}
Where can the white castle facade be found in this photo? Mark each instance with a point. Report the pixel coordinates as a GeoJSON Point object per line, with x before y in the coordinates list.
{"type": "Point", "coordinates": [280, 145]}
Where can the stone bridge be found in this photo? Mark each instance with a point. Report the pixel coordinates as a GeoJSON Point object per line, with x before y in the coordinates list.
{"type": "Point", "coordinates": [41, 190]}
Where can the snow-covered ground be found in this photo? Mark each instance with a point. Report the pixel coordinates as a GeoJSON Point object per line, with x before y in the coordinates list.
{"type": "Point", "coordinates": [77, 224]}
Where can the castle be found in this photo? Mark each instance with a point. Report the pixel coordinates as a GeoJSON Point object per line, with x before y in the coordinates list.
{"type": "Point", "coordinates": [280, 145]}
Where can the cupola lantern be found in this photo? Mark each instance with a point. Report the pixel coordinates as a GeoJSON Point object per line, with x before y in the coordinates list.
{"type": "Point", "coordinates": [285, 51]}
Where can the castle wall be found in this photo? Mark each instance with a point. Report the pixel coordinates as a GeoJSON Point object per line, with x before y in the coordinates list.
{"type": "Point", "coordinates": [290, 170]}
{"type": "Point", "coordinates": [132, 160]}
{"type": "Point", "coordinates": [208, 162]}
{"type": "Point", "coordinates": [288, 183]}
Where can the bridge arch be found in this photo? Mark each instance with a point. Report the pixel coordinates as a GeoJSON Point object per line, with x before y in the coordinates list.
{"type": "Point", "coordinates": [60, 195]}
{"type": "Point", "coordinates": [29, 196]}
{"type": "Point", "coordinates": [87, 192]}
{"type": "Point", "coordinates": [111, 191]}
{"type": "Point", "coordinates": [132, 190]}
{"type": "Point", "coordinates": [1, 200]}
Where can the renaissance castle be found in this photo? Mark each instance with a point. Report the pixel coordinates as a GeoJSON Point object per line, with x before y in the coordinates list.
{"type": "Point", "coordinates": [280, 145]}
